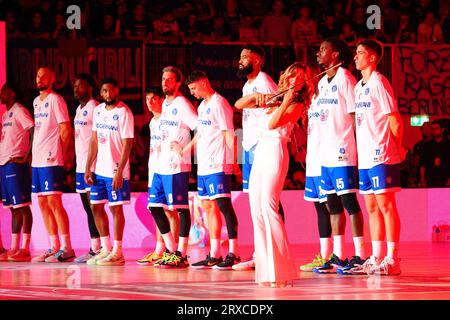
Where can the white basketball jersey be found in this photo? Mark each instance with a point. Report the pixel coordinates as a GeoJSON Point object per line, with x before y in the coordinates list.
{"type": "Point", "coordinates": [261, 84]}
{"type": "Point", "coordinates": [14, 134]}
{"type": "Point", "coordinates": [336, 105]}
{"type": "Point", "coordinates": [313, 166]}
{"type": "Point", "coordinates": [83, 133]}
{"type": "Point", "coordinates": [111, 126]}
{"type": "Point", "coordinates": [177, 119]}
{"type": "Point", "coordinates": [155, 144]}
{"type": "Point", "coordinates": [214, 118]}
{"type": "Point", "coordinates": [47, 146]}
{"type": "Point", "coordinates": [374, 101]}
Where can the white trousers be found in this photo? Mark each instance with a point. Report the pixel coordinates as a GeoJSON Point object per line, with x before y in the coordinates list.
{"type": "Point", "coordinates": [272, 254]}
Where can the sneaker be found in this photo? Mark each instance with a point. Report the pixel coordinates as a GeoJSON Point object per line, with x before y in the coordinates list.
{"type": "Point", "coordinates": [244, 266]}
{"type": "Point", "coordinates": [355, 263]}
{"type": "Point", "coordinates": [6, 254]}
{"type": "Point", "coordinates": [165, 258]}
{"type": "Point", "coordinates": [176, 260]}
{"type": "Point", "coordinates": [112, 259]}
{"type": "Point", "coordinates": [101, 255]}
{"type": "Point", "coordinates": [208, 263]}
{"type": "Point", "coordinates": [22, 255]}
{"type": "Point", "coordinates": [3, 254]}
{"type": "Point", "coordinates": [331, 265]}
{"type": "Point", "coordinates": [230, 260]}
{"type": "Point", "coordinates": [61, 256]}
{"type": "Point", "coordinates": [317, 262]}
{"type": "Point", "coordinates": [367, 266]}
{"type": "Point", "coordinates": [388, 267]}
{"type": "Point", "coordinates": [278, 284]}
{"type": "Point", "coordinates": [43, 256]}
{"type": "Point", "coordinates": [85, 257]}
{"type": "Point", "coordinates": [150, 258]}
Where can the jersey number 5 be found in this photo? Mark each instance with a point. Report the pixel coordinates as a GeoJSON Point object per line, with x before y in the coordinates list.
{"type": "Point", "coordinates": [340, 183]}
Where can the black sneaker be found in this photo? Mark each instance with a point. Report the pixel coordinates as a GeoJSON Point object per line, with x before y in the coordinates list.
{"type": "Point", "coordinates": [176, 260]}
{"type": "Point", "coordinates": [208, 263]}
{"type": "Point", "coordinates": [355, 263]}
{"type": "Point", "coordinates": [230, 260]}
{"type": "Point", "coordinates": [331, 265]}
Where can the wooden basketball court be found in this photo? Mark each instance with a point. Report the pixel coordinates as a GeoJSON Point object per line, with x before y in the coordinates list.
{"type": "Point", "coordinates": [425, 276]}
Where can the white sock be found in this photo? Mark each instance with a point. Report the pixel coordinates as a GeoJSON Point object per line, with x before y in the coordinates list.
{"type": "Point", "coordinates": [95, 244]}
{"type": "Point", "coordinates": [26, 238]}
{"type": "Point", "coordinates": [377, 248]}
{"type": "Point", "coordinates": [54, 242]}
{"type": "Point", "coordinates": [106, 243]}
{"type": "Point", "coordinates": [169, 241]}
{"type": "Point", "coordinates": [233, 244]}
{"type": "Point", "coordinates": [359, 247]}
{"type": "Point", "coordinates": [215, 248]}
{"type": "Point", "coordinates": [160, 247]}
{"type": "Point", "coordinates": [65, 242]}
{"type": "Point", "coordinates": [15, 241]}
{"type": "Point", "coordinates": [183, 245]}
{"type": "Point", "coordinates": [326, 246]}
{"type": "Point", "coordinates": [339, 246]}
{"type": "Point", "coordinates": [117, 248]}
{"type": "Point", "coordinates": [392, 250]}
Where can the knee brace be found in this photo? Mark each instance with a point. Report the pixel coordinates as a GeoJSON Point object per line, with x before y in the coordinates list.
{"type": "Point", "coordinates": [351, 203]}
{"type": "Point", "coordinates": [281, 210]}
{"type": "Point", "coordinates": [334, 204]}
{"type": "Point", "coordinates": [227, 210]}
{"type": "Point", "coordinates": [323, 220]}
{"type": "Point", "coordinates": [185, 222]}
{"type": "Point", "coordinates": [160, 219]}
{"type": "Point", "coordinates": [93, 231]}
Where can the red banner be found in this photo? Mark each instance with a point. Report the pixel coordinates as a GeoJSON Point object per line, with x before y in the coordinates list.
{"type": "Point", "coordinates": [422, 80]}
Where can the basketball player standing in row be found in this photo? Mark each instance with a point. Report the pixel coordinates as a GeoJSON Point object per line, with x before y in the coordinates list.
{"type": "Point", "coordinates": [313, 191]}
{"type": "Point", "coordinates": [170, 184]}
{"type": "Point", "coordinates": [82, 90]}
{"type": "Point", "coordinates": [338, 153]}
{"type": "Point", "coordinates": [15, 149]}
{"type": "Point", "coordinates": [111, 143]}
{"type": "Point", "coordinates": [153, 100]}
{"type": "Point", "coordinates": [51, 141]}
{"type": "Point", "coordinates": [215, 157]}
{"type": "Point", "coordinates": [379, 133]}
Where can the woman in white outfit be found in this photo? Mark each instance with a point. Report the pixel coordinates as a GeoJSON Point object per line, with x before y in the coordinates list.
{"type": "Point", "coordinates": [274, 264]}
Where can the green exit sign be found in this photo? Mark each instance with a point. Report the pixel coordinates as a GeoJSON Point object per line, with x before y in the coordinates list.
{"type": "Point", "coordinates": [417, 121]}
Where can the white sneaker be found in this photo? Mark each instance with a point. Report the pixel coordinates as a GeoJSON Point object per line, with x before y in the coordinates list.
{"type": "Point", "coordinates": [113, 259]}
{"type": "Point", "coordinates": [244, 266]}
{"type": "Point", "coordinates": [93, 261]}
{"type": "Point", "coordinates": [388, 267]}
{"type": "Point", "coordinates": [366, 267]}
{"type": "Point", "coordinates": [85, 257]}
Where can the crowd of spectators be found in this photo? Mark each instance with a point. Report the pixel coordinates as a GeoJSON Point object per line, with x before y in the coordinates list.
{"type": "Point", "coordinates": [428, 164]}
{"type": "Point", "coordinates": [298, 22]}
